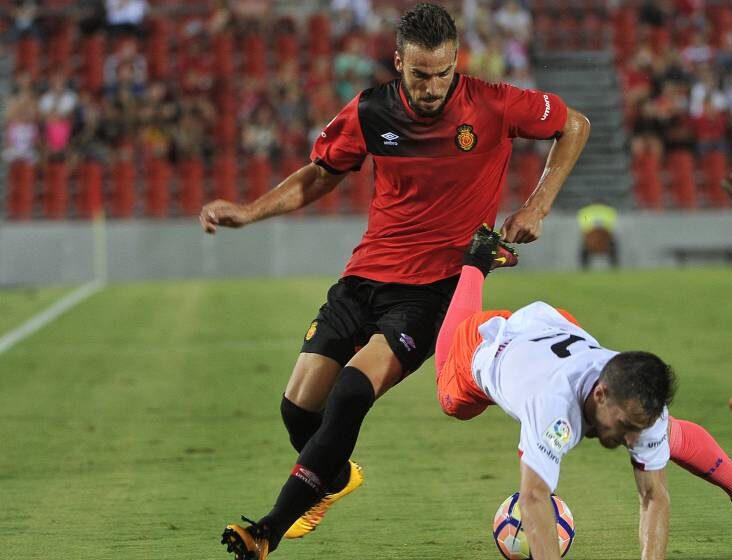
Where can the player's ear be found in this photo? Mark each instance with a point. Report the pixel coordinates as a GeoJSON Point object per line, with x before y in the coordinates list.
{"type": "Point", "coordinates": [600, 393]}
{"type": "Point", "coordinates": [398, 64]}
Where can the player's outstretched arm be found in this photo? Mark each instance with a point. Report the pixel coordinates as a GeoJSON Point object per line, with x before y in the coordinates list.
{"type": "Point", "coordinates": [299, 189]}
{"type": "Point", "coordinates": [525, 225]}
{"type": "Point", "coordinates": [654, 513]}
{"type": "Point", "coordinates": [537, 515]}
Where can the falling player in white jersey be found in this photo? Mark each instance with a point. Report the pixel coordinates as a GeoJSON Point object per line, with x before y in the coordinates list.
{"type": "Point", "coordinates": [552, 376]}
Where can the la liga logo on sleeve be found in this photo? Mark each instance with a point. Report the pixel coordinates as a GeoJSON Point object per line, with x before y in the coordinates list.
{"type": "Point", "coordinates": [558, 434]}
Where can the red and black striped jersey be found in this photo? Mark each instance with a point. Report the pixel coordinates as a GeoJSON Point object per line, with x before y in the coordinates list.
{"type": "Point", "coordinates": [435, 179]}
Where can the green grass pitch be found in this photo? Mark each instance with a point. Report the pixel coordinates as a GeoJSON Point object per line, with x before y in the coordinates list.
{"type": "Point", "coordinates": [142, 421]}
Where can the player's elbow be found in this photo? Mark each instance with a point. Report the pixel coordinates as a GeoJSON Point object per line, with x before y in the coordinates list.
{"type": "Point", "coordinates": [578, 125]}
{"type": "Point", "coordinates": [654, 496]}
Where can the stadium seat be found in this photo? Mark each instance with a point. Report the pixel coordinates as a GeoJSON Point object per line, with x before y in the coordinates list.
{"type": "Point", "coordinates": [714, 170]}
{"type": "Point", "coordinates": [319, 35]}
{"type": "Point", "coordinates": [89, 200]}
{"type": "Point", "coordinates": [190, 181]}
{"type": "Point", "coordinates": [625, 23]}
{"type": "Point", "coordinates": [60, 47]}
{"type": "Point", "coordinates": [287, 49]}
{"type": "Point", "coordinates": [156, 48]}
{"type": "Point", "coordinates": [225, 176]}
{"type": "Point", "coordinates": [648, 187]}
{"type": "Point", "coordinates": [122, 176]}
{"type": "Point", "coordinates": [56, 193]}
{"type": "Point", "coordinates": [680, 166]}
{"type": "Point", "coordinates": [28, 56]}
{"type": "Point", "coordinates": [223, 48]}
{"type": "Point", "coordinates": [255, 55]}
{"type": "Point", "coordinates": [21, 180]}
{"type": "Point", "coordinates": [92, 62]}
{"type": "Point", "coordinates": [157, 182]}
{"type": "Point", "coordinates": [257, 177]}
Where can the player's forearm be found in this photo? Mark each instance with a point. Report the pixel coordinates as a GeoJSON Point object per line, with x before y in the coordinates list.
{"type": "Point", "coordinates": [539, 524]}
{"type": "Point", "coordinates": [560, 162]}
{"type": "Point", "coordinates": [653, 527]}
{"type": "Point", "coordinates": [299, 189]}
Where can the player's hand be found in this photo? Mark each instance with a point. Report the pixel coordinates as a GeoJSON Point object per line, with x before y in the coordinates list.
{"type": "Point", "coordinates": [523, 226]}
{"type": "Point", "coordinates": [221, 213]}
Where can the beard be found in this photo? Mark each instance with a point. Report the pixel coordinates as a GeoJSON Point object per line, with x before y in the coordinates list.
{"type": "Point", "coordinates": [422, 112]}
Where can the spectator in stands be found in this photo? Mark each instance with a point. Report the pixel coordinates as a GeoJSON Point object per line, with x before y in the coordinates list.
{"type": "Point", "coordinates": [724, 52]}
{"type": "Point", "coordinates": [706, 88]}
{"type": "Point", "coordinates": [221, 18]}
{"type": "Point", "coordinates": [157, 115]}
{"type": "Point", "coordinates": [648, 129]}
{"type": "Point", "coordinates": [699, 52]}
{"type": "Point", "coordinates": [710, 128]}
{"type": "Point", "coordinates": [190, 135]}
{"type": "Point", "coordinates": [514, 21]}
{"type": "Point", "coordinates": [353, 69]}
{"type": "Point", "coordinates": [24, 15]}
{"type": "Point", "coordinates": [56, 107]}
{"type": "Point", "coordinates": [195, 68]}
{"type": "Point", "coordinates": [90, 139]}
{"type": "Point", "coordinates": [352, 15]}
{"type": "Point", "coordinates": [126, 17]}
{"type": "Point", "coordinates": [126, 55]}
{"type": "Point", "coordinates": [21, 123]}
{"type": "Point", "coordinates": [260, 136]}
{"type": "Point", "coordinates": [487, 60]}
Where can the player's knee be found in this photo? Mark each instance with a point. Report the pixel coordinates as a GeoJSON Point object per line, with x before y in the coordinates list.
{"type": "Point", "coordinates": [301, 424]}
{"type": "Point", "coordinates": [352, 391]}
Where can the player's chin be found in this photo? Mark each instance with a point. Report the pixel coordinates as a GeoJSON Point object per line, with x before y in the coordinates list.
{"type": "Point", "coordinates": [609, 443]}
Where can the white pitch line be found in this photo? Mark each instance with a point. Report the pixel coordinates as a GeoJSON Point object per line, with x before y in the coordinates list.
{"type": "Point", "coordinates": [37, 322]}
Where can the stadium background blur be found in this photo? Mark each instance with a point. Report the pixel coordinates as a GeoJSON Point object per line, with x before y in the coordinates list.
{"type": "Point", "coordinates": [147, 109]}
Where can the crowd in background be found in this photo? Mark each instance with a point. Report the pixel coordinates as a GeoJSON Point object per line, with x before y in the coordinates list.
{"type": "Point", "coordinates": [678, 80]}
{"type": "Point", "coordinates": [176, 113]}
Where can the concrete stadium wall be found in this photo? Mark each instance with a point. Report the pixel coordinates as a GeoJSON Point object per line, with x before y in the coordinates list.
{"type": "Point", "coordinates": [72, 252]}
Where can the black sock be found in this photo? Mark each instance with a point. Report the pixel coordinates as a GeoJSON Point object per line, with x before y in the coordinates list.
{"type": "Point", "coordinates": [325, 453]}
{"type": "Point", "coordinates": [301, 424]}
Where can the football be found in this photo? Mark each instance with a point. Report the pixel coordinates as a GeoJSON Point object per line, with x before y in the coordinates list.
{"type": "Point", "coordinates": [509, 535]}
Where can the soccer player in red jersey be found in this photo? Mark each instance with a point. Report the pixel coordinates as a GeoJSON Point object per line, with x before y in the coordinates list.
{"type": "Point", "coordinates": [441, 144]}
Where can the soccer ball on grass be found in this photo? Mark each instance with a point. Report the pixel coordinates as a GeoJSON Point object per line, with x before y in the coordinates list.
{"type": "Point", "coordinates": [509, 534]}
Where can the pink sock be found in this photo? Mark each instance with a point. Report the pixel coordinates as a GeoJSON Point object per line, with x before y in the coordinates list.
{"type": "Point", "coordinates": [467, 300]}
{"type": "Point", "coordinates": [694, 449]}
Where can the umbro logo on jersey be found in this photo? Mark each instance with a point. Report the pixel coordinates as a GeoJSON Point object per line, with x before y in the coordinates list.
{"type": "Point", "coordinates": [390, 139]}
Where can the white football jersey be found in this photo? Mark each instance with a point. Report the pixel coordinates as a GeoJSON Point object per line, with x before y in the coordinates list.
{"type": "Point", "coordinates": [539, 368]}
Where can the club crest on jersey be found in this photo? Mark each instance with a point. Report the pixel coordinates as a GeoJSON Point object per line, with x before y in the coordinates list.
{"type": "Point", "coordinates": [311, 330]}
{"type": "Point", "coordinates": [466, 139]}
{"type": "Point", "coordinates": [558, 434]}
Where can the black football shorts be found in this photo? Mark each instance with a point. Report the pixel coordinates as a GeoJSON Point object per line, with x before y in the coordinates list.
{"type": "Point", "coordinates": [409, 316]}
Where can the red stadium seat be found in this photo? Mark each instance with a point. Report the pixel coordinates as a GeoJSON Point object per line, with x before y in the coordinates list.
{"type": "Point", "coordinates": [625, 25]}
{"type": "Point", "coordinates": [648, 187]}
{"type": "Point", "coordinates": [60, 47]}
{"type": "Point", "coordinates": [28, 56]}
{"type": "Point", "coordinates": [157, 193]}
{"type": "Point", "coordinates": [257, 177]}
{"type": "Point", "coordinates": [223, 48]}
{"type": "Point", "coordinates": [225, 176]}
{"type": "Point", "coordinates": [21, 179]}
{"type": "Point", "coordinates": [319, 35]}
{"type": "Point", "coordinates": [287, 49]}
{"type": "Point", "coordinates": [92, 62]}
{"type": "Point", "coordinates": [56, 194]}
{"type": "Point", "coordinates": [255, 55]}
{"type": "Point", "coordinates": [714, 170]}
{"type": "Point", "coordinates": [680, 166]}
{"type": "Point", "coordinates": [89, 199]}
{"type": "Point", "coordinates": [190, 179]}
{"type": "Point", "coordinates": [156, 47]}
{"type": "Point", "coordinates": [123, 188]}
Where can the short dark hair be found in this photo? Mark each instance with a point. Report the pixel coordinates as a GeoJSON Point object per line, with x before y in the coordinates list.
{"type": "Point", "coordinates": [426, 25]}
{"type": "Point", "coordinates": [642, 376]}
